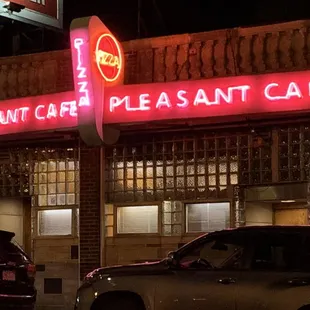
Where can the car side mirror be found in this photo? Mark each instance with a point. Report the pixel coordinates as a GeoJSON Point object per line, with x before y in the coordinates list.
{"type": "Point", "coordinates": [173, 259]}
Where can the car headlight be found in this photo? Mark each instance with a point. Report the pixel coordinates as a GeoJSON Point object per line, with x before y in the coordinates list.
{"type": "Point", "coordinates": [94, 276]}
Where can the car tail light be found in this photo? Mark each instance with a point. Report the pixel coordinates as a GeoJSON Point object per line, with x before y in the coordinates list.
{"type": "Point", "coordinates": [31, 270]}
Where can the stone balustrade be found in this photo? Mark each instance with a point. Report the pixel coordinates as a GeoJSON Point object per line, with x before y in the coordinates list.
{"type": "Point", "coordinates": [228, 52]}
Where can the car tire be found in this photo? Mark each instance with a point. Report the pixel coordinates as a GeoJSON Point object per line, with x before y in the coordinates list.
{"type": "Point", "coordinates": [121, 303]}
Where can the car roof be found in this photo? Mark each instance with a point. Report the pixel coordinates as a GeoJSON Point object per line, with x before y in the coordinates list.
{"type": "Point", "coordinates": [7, 235]}
{"type": "Point", "coordinates": [251, 229]}
{"type": "Point", "coordinates": [257, 229]}
{"type": "Point", "coordinates": [265, 229]}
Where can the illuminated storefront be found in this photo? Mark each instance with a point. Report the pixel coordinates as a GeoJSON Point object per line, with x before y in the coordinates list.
{"type": "Point", "coordinates": [175, 159]}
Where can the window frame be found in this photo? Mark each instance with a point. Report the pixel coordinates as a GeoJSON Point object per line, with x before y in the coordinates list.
{"type": "Point", "coordinates": [185, 203]}
{"type": "Point", "coordinates": [121, 205]}
{"type": "Point", "coordinates": [74, 233]}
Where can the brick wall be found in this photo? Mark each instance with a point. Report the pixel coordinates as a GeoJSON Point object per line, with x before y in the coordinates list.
{"type": "Point", "coordinates": [89, 209]}
{"type": "Point", "coordinates": [219, 53]}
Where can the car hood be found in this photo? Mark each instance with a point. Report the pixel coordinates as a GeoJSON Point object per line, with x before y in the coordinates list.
{"type": "Point", "coordinates": [134, 269]}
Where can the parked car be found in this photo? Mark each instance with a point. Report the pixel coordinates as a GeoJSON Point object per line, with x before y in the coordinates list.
{"type": "Point", "coordinates": [17, 275]}
{"type": "Point", "coordinates": [261, 268]}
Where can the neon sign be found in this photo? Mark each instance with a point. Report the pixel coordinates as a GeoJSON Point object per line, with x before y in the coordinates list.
{"type": "Point", "coordinates": [81, 74]}
{"type": "Point", "coordinates": [223, 97]}
{"type": "Point", "coordinates": [231, 96]}
{"type": "Point", "coordinates": [40, 113]}
{"type": "Point", "coordinates": [109, 57]}
{"type": "Point", "coordinates": [97, 60]}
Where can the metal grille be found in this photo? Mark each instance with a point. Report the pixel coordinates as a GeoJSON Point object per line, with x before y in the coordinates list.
{"type": "Point", "coordinates": [294, 153]}
{"type": "Point", "coordinates": [184, 167]}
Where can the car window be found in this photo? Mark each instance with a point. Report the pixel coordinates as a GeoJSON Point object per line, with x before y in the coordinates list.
{"type": "Point", "coordinates": [219, 253]}
{"type": "Point", "coordinates": [10, 252]}
{"type": "Point", "coordinates": [304, 261]}
{"type": "Point", "coordinates": [277, 251]}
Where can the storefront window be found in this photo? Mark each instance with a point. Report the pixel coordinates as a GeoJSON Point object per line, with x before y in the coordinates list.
{"type": "Point", "coordinates": [137, 220]}
{"type": "Point", "coordinates": [294, 153]}
{"type": "Point", "coordinates": [55, 222]}
{"type": "Point", "coordinates": [172, 215]}
{"type": "Point", "coordinates": [54, 187]}
{"type": "Point", "coordinates": [207, 217]}
{"type": "Point", "coordinates": [55, 182]}
{"type": "Point", "coordinates": [178, 167]}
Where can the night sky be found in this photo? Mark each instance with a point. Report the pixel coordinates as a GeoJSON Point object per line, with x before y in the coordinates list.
{"type": "Point", "coordinates": [166, 17]}
{"type": "Point", "coordinates": [158, 18]}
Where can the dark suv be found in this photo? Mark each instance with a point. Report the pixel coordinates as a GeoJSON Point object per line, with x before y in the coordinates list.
{"type": "Point", "coordinates": [17, 275]}
{"type": "Point", "coordinates": [259, 268]}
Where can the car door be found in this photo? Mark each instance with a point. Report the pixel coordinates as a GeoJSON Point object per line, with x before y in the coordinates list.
{"type": "Point", "coordinates": [206, 276]}
{"type": "Point", "coordinates": [278, 275]}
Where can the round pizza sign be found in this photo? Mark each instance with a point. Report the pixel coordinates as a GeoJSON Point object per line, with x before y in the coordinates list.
{"type": "Point", "coordinates": [109, 57]}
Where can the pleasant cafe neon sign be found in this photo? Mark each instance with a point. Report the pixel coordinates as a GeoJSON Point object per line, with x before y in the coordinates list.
{"type": "Point", "coordinates": [208, 98]}
{"type": "Point", "coordinates": [246, 95]}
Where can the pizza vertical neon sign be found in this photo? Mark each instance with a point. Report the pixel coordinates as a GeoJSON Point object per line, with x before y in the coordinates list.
{"type": "Point", "coordinates": [82, 80]}
{"type": "Point", "coordinates": [98, 62]}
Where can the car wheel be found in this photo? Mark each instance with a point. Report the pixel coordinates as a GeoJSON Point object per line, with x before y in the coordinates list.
{"type": "Point", "coordinates": [120, 303]}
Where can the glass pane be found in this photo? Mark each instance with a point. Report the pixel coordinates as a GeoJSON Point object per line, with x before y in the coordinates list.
{"type": "Point", "coordinates": [55, 222]}
{"type": "Point", "coordinates": [61, 188]}
{"type": "Point", "coordinates": [61, 199]}
{"type": "Point", "coordinates": [61, 165]}
{"type": "Point", "coordinates": [43, 178]}
{"type": "Point", "coordinates": [52, 166]}
{"type": "Point", "coordinates": [61, 176]}
{"type": "Point", "coordinates": [71, 199]}
{"type": "Point", "coordinates": [71, 187]}
{"type": "Point", "coordinates": [52, 188]}
{"type": "Point", "coordinates": [71, 165]}
{"type": "Point", "coordinates": [42, 200]}
{"type": "Point", "coordinates": [70, 176]}
{"type": "Point", "coordinates": [207, 217]}
{"type": "Point", "coordinates": [51, 200]}
{"type": "Point", "coordinates": [43, 166]}
{"type": "Point", "coordinates": [52, 177]}
{"type": "Point", "coordinates": [43, 189]}
{"type": "Point", "coordinates": [137, 220]}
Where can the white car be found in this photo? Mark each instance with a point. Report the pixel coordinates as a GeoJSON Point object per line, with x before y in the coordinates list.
{"type": "Point", "coordinates": [249, 268]}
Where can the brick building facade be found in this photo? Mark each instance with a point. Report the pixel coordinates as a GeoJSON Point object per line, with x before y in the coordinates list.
{"type": "Point", "coordinates": [230, 52]}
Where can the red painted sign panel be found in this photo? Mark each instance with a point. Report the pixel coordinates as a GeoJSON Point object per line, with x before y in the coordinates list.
{"type": "Point", "coordinates": [46, 7]}
{"type": "Point", "coordinates": [242, 95]}
{"type": "Point", "coordinates": [231, 96]}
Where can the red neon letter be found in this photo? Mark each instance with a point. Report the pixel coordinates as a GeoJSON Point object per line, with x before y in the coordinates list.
{"type": "Point", "coordinates": [117, 101]}
{"type": "Point", "coordinates": [201, 97]}
{"type": "Point", "coordinates": [24, 111]}
{"type": "Point", "coordinates": [12, 116]}
{"type": "Point", "coordinates": [52, 111]}
{"type": "Point", "coordinates": [292, 91]}
{"type": "Point", "coordinates": [144, 102]}
{"type": "Point", "coordinates": [163, 100]}
{"type": "Point", "coordinates": [184, 102]}
{"type": "Point", "coordinates": [37, 112]}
